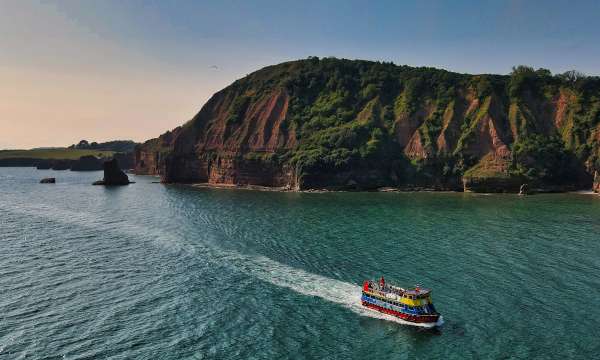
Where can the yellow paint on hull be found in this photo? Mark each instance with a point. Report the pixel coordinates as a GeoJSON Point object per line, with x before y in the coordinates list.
{"type": "Point", "coordinates": [416, 302]}
{"type": "Point", "coordinates": [403, 300]}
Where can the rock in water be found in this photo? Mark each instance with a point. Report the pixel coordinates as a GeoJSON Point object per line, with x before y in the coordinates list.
{"type": "Point", "coordinates": [113, 175]}
{"type": "Point", "coordinates": [48, 181]}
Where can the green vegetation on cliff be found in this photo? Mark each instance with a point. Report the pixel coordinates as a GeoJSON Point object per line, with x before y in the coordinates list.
{"type": "Point", "coordinates": [124, 146]}
{"type": "Point", "coordinates": [409, 125]}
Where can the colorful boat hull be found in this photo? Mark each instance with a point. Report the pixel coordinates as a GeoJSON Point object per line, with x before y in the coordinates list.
{"type": "Point", "coordinates": [410, 306]}
{"type": "Point", "coordinates": [431, 320]}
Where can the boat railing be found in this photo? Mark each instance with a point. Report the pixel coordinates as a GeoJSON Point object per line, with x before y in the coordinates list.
{"type": "Point", "coordinates": [386, 289]}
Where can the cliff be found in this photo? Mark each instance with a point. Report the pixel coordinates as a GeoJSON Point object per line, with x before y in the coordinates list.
{"type": "Point", "coordinates": [342, 124]}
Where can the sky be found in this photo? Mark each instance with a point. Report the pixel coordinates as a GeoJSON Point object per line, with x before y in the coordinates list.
{"type": "Point", "coordinates": [128, 69]}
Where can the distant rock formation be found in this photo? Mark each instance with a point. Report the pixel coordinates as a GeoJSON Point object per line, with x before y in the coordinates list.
{"type": "Point", "coordinates": [44, 164]}
{"type": "Point", "coordinates": [49, 180]}
{"type": "Point", "coordinates": [126, 160]}
{"type": "Point", "coordinates": [87, 163]}
{"type": "Point", "coordinates": [120, 146]}
{"type": "Point", "coordinates": [62, 159]}
{"type": "Point", "coordinates": [61, 164]}
{"type": "Point", "coordinates": [18, 162]}
{"type": "Point", "coordinates": [596, 186]}
{"type": "Point", "coordinates": [113, 175]}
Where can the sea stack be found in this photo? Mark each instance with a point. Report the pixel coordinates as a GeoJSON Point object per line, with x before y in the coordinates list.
{"type": "Point", "coordinates": [113, 175]}
{"type": "Point", "coordinates": [49, 180]}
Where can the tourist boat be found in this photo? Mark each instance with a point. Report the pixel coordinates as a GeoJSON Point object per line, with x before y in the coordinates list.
{"type": "Point", "coordinates": [410, 305]}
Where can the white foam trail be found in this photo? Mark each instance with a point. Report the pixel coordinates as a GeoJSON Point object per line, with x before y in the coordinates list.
{"type": "Point", "coordinates": [95, 222]}
{"type": "Point", "coordinates": [305, 283]}
{"type": "Point", "coordinates": [261, 267]}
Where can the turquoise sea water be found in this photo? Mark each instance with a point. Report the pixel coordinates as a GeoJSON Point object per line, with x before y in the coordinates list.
{"type": "Point", "coordinates": [150, 271]}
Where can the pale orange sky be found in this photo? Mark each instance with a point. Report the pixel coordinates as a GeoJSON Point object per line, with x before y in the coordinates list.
{"type": "Point", "coordinates": [61, 82]}
{"type": "Point", "coordinates": [132, 69]}
{"type": "Point", "coordinates": [41, 108]}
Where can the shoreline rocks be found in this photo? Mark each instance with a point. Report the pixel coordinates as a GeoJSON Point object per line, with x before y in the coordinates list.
{"type": "Point", "coordinates": [524, 189]}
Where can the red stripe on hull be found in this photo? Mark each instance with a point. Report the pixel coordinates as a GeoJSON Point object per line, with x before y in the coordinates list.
{"type": "Point", "coordinates": [403, 316]}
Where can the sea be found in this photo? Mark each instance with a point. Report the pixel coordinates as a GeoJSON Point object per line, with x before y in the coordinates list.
{"type": "Point", "coordinates": [154, 271]}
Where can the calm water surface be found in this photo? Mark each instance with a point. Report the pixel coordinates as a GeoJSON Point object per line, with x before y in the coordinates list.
{"type": "Point", "coordinates": [150, 271]}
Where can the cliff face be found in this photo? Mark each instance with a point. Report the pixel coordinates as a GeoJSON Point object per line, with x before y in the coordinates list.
{"type": "Point", "coordinates": [355, 124]}
{"type": "Point", "coordinates": [149, 156]}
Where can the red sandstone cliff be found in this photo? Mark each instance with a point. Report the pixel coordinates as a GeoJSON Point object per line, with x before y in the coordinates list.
{"type": "Point", "coordinates": [281, 127]}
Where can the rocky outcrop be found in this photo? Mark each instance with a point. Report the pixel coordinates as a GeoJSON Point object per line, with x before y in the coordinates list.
{"type": "Point", "coordinates": [343, 124]}
{"type": "Point", "coordinates": [491, 174]}
{"type": "Point", "coordinates": [126, 160]}
{"type": "Point", "coordinates": [596, 185]}
{"type": "Point", "coordinates": [44, 164]}
{"type": "Point", "coordinates": [149, 157]}
{"type": "Point", "coordinates": [47, 164]}
{"type": "Point", "coordinates": [491, 185]}
{"type": "Point", "coordinates": [87, 163]}
{"type": "Point", "coordinates": [61, 164]}
{"type": "Point", "coordinates": [84, 163]}
{"type": "Point", "coordinates": [18, 162]}
{"type": "Point", "coordinates": [113, 175]}
{"type": "Point", "coordinates": [49, 180]}
{"type": "Point", "coordinates": [40, 164]}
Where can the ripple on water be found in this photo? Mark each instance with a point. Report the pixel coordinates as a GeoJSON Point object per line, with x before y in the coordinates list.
{"type": "Point", "coordinates": [152, 271]}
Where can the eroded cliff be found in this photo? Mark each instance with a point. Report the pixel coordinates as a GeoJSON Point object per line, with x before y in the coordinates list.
{"type": "Point", "coordinates": [331, 123]}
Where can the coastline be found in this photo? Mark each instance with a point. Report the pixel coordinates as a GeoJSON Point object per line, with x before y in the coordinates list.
{"type": "Point", "coordinates": [315, 191]}
{"type": "Point", "coordinates": [378, 190]}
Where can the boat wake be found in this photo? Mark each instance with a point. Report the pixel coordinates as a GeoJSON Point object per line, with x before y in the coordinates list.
{"type": "Point", "coordinates": [309, 284]}
{"type": "Point", "coordinates": [265, 269]}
